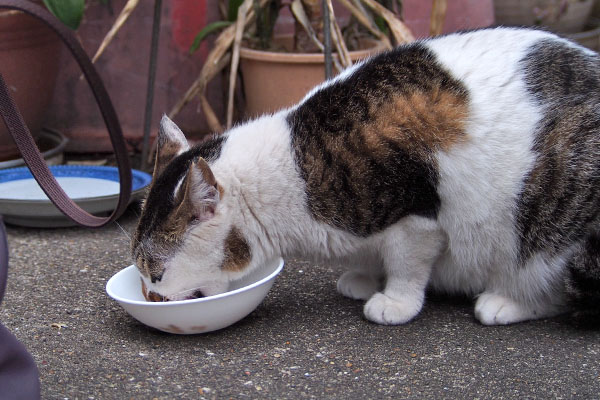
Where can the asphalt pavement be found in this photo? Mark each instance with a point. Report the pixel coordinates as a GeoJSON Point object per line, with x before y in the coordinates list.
{"type": "Point", "coordinates": [304, 341]}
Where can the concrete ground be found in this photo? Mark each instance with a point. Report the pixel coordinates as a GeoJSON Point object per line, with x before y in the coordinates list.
{"type": "Point", "coordinates": [304, 340]}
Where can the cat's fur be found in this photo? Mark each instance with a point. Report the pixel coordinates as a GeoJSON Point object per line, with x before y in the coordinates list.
{"type": "Point", "coordinates": [469, 163]}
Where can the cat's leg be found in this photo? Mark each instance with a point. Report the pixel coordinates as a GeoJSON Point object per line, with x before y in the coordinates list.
{"type": "Point", "coordinates": [497, 309]}
{"type": "Point", "coordinates": [521, 293]}
{"type": "Point", "coordinates": [409, 250]}
{"type": "Point", "coordinates": [364, 278]}
{"type": "Point", "coordinates": [357, 285]}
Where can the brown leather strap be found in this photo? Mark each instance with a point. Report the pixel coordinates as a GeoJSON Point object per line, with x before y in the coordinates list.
{"type": "Point", "coordinates": [29, 151]}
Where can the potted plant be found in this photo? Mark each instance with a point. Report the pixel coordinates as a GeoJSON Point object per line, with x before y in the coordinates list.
{"type": "Point", "coordinates": [563, 16]}
{"type": "Point", "coordinates": [250, 26]}
{"type": "Point", "coordinates": [29, 64]}
{"type": "Point", "coordinates": [266, 63]}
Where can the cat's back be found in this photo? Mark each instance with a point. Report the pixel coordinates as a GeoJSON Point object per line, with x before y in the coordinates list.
{"type": "Point", "coordinates": [442, 127]}
{"type": "Point", "coordinates": [487, 56]}
{"type": "Point", "coordinates": [504, 65]}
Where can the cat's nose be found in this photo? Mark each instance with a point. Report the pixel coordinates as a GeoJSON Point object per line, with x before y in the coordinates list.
{"type": "Point", "coordinates": [196, 295]}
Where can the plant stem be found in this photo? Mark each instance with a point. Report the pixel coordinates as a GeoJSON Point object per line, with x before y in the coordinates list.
{"type": "Point", "coordinates": [151, 78]}
{"type": "Point", "coordinates": [327, 40]}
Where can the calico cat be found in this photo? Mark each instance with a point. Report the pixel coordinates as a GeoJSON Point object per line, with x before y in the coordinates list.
{"type": "Point", "coordinates": [468, 163]}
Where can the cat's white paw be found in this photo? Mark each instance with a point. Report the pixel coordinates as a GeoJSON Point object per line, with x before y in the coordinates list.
{"type": "Point", "coordinates": [357, 285]}
{"type": "Point", "coordinates": [494, 309]}
{"type": "Point", "coordinates": [384, 310]}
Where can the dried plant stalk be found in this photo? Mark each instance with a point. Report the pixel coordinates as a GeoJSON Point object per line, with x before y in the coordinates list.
{"type": "Point", "coordinates": [235, 57]}
{"type": "Point", "coordinates": [438, 14]}
{"type": "Point", "coordinates": [123, 16]}
{"type": "Point", "coordinates": [298, 11]}
{"type": "Point", "coordinates": [366, 22]}
{"type": "Point", "coordinates": [223, 9]}
{"type": "Point", "coordinates": [213, 63]}
{"type": "Point", "coordinates": [399, 30]}
{"type": "Point", "coordinates": [199, 85]}
{"type": "Point", "coordinates": [211, 118]}
{"type": "Point", "coordinates": [338, 39]}
{"type": "Point", "coordinates": [306, 25]}
{"type": "Point", "coordinates": [313, 11]}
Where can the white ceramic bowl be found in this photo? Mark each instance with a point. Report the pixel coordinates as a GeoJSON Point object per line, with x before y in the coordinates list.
{"type": "Point", "coordinates": [193, 316]}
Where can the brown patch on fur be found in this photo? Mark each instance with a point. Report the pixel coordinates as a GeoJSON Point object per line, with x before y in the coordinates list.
{"type": "Point", "coordinates": [421, 122]}
{"type": "Point", "coordinates": [237, 252]}
{"type": "Point", "coordinates": [365, 144]}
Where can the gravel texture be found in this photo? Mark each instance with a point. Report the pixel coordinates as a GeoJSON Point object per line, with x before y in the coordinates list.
{"type": "Point", "coordinates": [303, 341]}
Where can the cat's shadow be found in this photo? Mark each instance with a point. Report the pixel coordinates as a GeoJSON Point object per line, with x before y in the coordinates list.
{"type": "Point", "coordinates": [294, 308]}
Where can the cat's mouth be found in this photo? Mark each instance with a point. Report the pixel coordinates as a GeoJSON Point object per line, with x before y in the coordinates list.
{"type": "Point", "coordinates": [155, 297]}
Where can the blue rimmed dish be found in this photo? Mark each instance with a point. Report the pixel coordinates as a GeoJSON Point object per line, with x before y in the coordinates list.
{"type": "Point", "coordinates": [93, 188]}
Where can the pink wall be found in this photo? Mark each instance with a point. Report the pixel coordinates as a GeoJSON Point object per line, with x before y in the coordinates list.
{"type": "Point", "coordinates": [124, 66]}
{"type": "Point", "coordinates": [124, 69]}
{"type": "Point", "coordinates": [460, 15]}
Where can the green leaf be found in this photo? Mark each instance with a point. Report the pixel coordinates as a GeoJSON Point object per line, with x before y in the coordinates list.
{"type": "Point", "coordinates": [207, 30]}
{"type": "Point", "coordinates": [265, 21]}
{"type": "Point", "coordinates": [70, 12]}
{"type": "Point", "coordinates": [381, 24]}
{"type": "Point", "coordinates": [232, 9]}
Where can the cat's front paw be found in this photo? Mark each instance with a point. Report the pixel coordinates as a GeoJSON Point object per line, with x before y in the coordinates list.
{"type": "Point", "coordinates": [494, 309]}
{"type": "Point", "coordinates": [384, 310]}
{"type": "Point", "coordinates": [357, 285]}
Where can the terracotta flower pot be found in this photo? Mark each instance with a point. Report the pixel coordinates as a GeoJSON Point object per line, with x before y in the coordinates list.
{"type": "Point", "coordinates": [277, 80]}
{"type": "Point", "coordinates": [29, 55]}
{"type": "Point", "coordinates": [565, 16]}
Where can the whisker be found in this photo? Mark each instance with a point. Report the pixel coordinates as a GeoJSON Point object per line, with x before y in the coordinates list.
{"type": "Point", "coordinates": [123, 230]}
{"type": "Point", "coordinates": [135, 211]}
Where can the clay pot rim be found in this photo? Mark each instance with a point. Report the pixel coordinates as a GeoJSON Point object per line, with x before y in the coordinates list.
{"type": "Point", "coordinates": [374, 46]}
{"type": "Point", "coordinates": [59, 142]}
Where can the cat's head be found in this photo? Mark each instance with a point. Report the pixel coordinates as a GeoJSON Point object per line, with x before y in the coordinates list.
{"type": "Point", "coordinates": [186, 244]}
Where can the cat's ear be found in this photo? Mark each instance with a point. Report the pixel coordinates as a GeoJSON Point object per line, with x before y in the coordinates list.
{"type": "Point", "coordinates": [202, 191]}
{"type": "Point", "coordinates": [170, 143]}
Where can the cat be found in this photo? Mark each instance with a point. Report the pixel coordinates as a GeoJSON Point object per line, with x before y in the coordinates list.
{"type": "Point", "coordinates": [467, 163]}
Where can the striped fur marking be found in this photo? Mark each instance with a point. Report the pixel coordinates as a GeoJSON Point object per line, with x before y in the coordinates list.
{"type": "Point", "coordinates": [561, 195]}
{"type": "Point", "coordinates": [364, 144]}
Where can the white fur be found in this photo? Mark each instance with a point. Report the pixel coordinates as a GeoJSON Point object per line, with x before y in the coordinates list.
{"type": "Point", "coordinates": [479, 179]}
{"type": "Point", "coordinates": [469, 249]}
